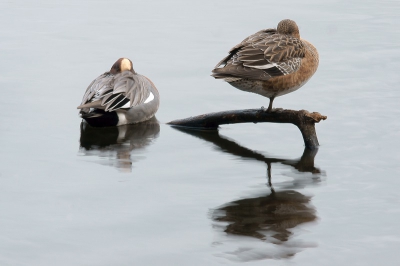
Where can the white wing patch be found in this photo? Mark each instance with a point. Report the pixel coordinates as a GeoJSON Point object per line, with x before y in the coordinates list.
{"type": "Point", "coordinates": [150, 98]}
{"type": "Point", "coordinates": [263, 66]}
{"type": "Point", "coordinates": [127, 105]}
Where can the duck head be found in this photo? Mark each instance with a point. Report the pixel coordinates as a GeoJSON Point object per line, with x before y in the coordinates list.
{"type": "Point", "coordinates": [121, 65]}
{"type": "Point", "coordinates": [289, 27]}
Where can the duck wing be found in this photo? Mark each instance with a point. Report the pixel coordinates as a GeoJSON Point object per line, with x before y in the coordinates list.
{"type": "Point", "coordinates": [98, 88]}
{"type": "Point", "coordinates": [261, 56]}
{"type": "Point", "coordinates": [129, 90]}
{"type": "Point", "coordinates": [111, 92]}
{"type": "Point", "coordinates": [254, 38]}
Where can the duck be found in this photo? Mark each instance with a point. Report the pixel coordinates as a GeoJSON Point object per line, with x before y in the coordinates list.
{"type": "Point", "coordinates": [119, 97]}
{"type": "Point", "coordinates": [271, 62]}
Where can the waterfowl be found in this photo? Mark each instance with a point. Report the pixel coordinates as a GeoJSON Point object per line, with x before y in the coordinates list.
{"type": "Point", "coordinates": [271, 62]}
{"type": "Point", "coordinates": [119, 97]}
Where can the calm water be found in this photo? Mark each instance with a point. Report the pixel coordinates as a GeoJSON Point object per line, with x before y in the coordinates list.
{"type": "Point", "coordinates": [153, 195]}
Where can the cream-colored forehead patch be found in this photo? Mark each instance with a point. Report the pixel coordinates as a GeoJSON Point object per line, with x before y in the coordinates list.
{"type": "Point", "coordinates": [125, 65]}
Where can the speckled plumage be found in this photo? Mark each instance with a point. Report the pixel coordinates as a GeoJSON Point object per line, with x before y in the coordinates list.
{"type": "Point", "coordinates": [271, 62]}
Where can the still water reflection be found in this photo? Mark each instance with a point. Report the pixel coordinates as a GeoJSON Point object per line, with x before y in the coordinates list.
{"type": "Point", "coordinates": [115, 145]}
{"type": "Point", "coordinates": [273, 216]}
{"type": "Point", "coordinates": [270, 218]}
{"type": "Point", "coordinates": [303, 171]}
{"type": "Point", "coordinates": [57, 209]}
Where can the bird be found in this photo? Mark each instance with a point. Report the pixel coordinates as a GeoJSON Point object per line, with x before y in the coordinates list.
{"type": "Point", "coordinates": [271, 62]}
{"type": "Point", "coordinates": [119, 97]}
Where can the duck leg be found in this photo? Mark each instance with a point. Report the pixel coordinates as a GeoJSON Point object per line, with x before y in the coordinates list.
{"type": "Point", "coordinates": [270, 104]}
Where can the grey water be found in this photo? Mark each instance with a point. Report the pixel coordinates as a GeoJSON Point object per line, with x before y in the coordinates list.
{"type": "Point", "coordinates": [150, 194]}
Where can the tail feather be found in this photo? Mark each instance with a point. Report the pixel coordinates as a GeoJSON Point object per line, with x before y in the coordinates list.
{"type": "Point", "coordinates": [91, 114]}
{"type": "Point", "coordinates": [220, 73]}
{"type": "Point", "coordinates": [100, 118]}
{"type": "Point", "coordinates": [95, 104]}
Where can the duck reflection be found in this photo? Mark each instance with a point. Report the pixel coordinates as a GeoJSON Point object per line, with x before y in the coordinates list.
{"type": "Point", "coordinates": [273, 216]}
{"type": "Point", "coordinates": [118, 143]}
{"type": "Point", "coordinates": [276, 212]}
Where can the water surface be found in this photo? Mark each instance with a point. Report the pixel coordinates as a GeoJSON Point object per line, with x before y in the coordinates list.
{"type": "Point", "coordinates": [154, 195]}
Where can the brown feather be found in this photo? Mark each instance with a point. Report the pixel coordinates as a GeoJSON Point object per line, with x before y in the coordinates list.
{"type": "Point", "coordinates": [270, 62]}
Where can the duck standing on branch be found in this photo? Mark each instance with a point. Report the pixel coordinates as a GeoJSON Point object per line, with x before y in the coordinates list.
{"type": "Point", "coordinates": [271, 62]}
{"type": "Point", "coordinates": [119, 96]}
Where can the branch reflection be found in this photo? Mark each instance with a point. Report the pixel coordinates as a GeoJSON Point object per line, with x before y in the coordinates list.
{"type": "Point", "coordinates": [305, 173]}
{"type": "Point", "coordinates": [271, 217]}
{"type": "Point", "coordinates": [117, 144]}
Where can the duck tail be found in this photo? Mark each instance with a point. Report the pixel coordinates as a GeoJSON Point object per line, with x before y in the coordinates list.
{"type": "Point", "coordinates": [100, 118]}
{"type": "Point", "coordinates": [221, 73]}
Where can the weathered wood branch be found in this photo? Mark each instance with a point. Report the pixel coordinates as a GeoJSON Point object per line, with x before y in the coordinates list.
{"type": "Point", "coordinates": [303, 119]}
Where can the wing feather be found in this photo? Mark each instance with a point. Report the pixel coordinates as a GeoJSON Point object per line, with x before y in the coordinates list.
{"type": "Point", "coordinates": [109, 99]}
{"type": "Point", "coordinates": [121, 103]}
{"type": "Point", "coordinates": [262, 55]}
{"type": "Point", "coordinates": [114, 102]}
{"type": "Point", "coordinates": [116, 91]}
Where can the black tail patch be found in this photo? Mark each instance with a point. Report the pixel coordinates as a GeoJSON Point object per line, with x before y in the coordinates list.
{"type": "Point", "coordinates": [100, 118]}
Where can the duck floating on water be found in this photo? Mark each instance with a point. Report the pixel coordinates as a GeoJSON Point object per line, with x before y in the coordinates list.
{"type": "Point", "coordinates": [271, 62]}
{"type": "Point", "coordinates": [119, 97]}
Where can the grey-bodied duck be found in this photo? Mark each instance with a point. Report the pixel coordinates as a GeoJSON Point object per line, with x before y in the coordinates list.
{"type": "Point", "coordinates": [119, 97]}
